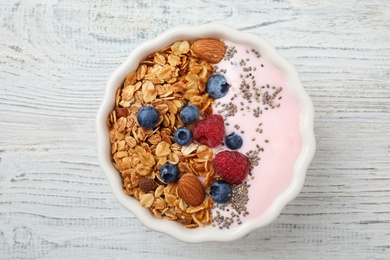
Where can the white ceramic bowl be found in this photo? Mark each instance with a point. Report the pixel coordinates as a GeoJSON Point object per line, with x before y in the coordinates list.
{"type": "Point", "coordinates": [208, 233]}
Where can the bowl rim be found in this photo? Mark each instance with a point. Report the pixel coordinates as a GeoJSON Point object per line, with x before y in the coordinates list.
{"type": "Point", "coordinates": [172, 228]}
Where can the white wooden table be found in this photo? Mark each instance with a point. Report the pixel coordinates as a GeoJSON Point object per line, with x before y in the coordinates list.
{"type": "Point", "coordinates": [55, 59]}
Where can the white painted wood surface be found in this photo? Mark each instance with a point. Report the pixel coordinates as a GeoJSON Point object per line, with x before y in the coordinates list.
{"type": "Point", "coordinates": [55, 59]}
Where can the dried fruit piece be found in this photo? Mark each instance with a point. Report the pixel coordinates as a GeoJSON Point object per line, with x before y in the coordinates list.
{"type": "Point", "coordinates": [210, 50]}
{"type": "Point", "coordinates": [147, 185]}
{"type": "Point", "coordinates": [121, 112]}
{"type": "Point", "coordinates": [191, 190]}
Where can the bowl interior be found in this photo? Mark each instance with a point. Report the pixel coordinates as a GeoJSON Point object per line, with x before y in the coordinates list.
{"type": "Point", "coordinates": [306, 126]}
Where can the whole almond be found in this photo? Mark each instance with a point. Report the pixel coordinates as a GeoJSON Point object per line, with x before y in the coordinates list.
{"type": "Point", "coordinates": [210, 50]}
{"type": "Point", "coordinates": [191, 190]}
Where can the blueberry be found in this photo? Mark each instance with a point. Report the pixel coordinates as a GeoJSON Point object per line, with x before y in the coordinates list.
{"type": "Point", "coordinates": [189, 114]}
{"type": "Point", "coordinates": [183, 136]}
{"type": "Point", "coordinates": [233, 141]}
{"type": "Point", "coordinates": [147, 117]}
{"type": "Point", "coordinates": [169, 173]}
{"type": "Point", "coordinates": [220, 191]}
{"type": "Point", "coordinates": [217, 86]}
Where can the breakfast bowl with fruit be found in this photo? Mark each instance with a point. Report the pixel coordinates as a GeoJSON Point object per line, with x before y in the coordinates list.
{"type": "Point", "coordinates": [205, 133]}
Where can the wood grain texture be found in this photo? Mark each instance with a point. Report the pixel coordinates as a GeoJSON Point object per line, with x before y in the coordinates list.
{"type": "Point", "coordinates": [55, 59]}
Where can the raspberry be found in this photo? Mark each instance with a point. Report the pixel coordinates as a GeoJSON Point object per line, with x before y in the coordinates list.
{"type": "Point", "coordinates": [233, 167]}
{"type": "Point", "coordinates": [210, 131]}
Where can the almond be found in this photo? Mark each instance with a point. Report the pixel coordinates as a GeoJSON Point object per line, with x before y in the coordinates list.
{"type": "Point", "coordinates": [121, 112]}
{"type": "Point", "coordinates": [210, 50]}
{"type": "Point", "coordinates": [191, 190]}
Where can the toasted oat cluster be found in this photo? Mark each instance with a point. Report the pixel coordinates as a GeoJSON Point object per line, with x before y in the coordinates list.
{"type": "Point", "coordinates": [168, 80]}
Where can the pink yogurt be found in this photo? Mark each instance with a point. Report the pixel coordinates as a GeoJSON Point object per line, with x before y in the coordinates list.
{"type": "Point", "coordinates": [275, 130]}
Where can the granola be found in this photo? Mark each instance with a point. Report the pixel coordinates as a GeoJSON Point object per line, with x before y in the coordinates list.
{"type": "Point", "coordinates": [168, 80]}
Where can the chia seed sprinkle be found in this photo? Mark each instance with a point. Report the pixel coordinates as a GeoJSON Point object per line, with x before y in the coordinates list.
{"type": "Point", "coordinates": [253, 156]}
{"type": "Point", "coordinates": [231, 50]}
{"type": "Point", "coordinates": [236, 207]}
